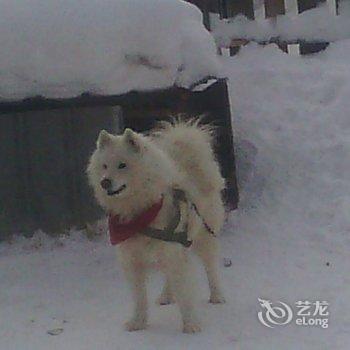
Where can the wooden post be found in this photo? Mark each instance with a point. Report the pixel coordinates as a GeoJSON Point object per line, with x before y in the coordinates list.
{"type": "Point", "coordinates": [206, 6]}
{"type": "Point", "coordinates": [218, 103]}
{"type": "Point", "coordinates": [304, 5]}
{"type": "Point", "coordinates": [274, 8]}
{"type": "Point", "coordinates": [307, 48]}
{"type": "Point", "coordinates": [333, 6]}
{"type": "Point", "coordinates": [291, 6]}
{"type": "Point", "coordinates": [234, 8]}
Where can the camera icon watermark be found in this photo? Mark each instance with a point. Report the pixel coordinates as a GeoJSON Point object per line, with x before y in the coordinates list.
{"type": "Point", "coordinates": [306, 313]}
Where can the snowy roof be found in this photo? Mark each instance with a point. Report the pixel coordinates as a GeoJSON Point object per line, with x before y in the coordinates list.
{"type": "Point", "coordinates": [62, 49]}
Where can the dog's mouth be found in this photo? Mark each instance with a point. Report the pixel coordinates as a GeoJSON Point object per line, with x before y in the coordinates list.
{"type": "Point", "coordinates": [117, 191]}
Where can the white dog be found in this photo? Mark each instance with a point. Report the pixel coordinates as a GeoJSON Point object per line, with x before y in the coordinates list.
{"type": "Point", "coordinates": [134, 176]}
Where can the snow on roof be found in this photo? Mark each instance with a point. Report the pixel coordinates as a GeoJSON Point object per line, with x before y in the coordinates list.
{"type": "Point", "coordinates": [67, 47]}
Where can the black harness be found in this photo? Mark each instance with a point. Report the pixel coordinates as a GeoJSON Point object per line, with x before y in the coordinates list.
{"type": "Point", "coordinates": [169, 233]}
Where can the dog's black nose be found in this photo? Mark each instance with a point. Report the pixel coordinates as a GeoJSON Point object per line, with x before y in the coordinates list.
{"type": "Point", "coordinates": [106, 183]}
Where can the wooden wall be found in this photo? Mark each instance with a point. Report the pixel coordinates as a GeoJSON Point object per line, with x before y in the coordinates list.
{"type": "Point", "coordinates": [43, 160]}
{"type": "Point", "coordinates": [45, 146]}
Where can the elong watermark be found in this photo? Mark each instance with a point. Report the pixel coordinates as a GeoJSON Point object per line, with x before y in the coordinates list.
{"type": "Point", "coordinates": [307, 313]}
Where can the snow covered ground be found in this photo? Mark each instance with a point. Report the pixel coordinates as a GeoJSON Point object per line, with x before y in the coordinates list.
{"type": "Point", "coordinates": [288, 241]}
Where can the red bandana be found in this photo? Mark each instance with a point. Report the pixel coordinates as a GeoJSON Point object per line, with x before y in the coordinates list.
{"type": "Point", "coordinates": [120, 232]}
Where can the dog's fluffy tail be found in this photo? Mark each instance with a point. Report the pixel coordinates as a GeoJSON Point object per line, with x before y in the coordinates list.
{"type": "Point", "coordinates": [189, 144]}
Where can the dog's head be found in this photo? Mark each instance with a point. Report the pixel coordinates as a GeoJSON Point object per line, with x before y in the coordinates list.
{"type": "Point", "coordinates": [127, 167]}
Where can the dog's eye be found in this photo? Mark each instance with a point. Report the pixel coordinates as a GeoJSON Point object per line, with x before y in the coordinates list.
{"type": "Point", "coordinates": [104, 166]}
{"type": "Point", "coordinates": [121, 165]}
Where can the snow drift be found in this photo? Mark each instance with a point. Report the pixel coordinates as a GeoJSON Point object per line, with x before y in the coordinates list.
{"type": "Point", "coordinates": [65, 48]}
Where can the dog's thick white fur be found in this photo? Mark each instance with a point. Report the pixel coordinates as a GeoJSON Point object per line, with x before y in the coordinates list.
{"type": "Point", "coordinates": [142, 169]}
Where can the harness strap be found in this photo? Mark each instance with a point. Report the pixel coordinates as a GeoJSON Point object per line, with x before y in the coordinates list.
{"type": "Point", "coordinates": [181, 196]}
{"type": "Point", "coordinates": [168, 234]}
{"type": "Point", "coordinates": [207, 227]}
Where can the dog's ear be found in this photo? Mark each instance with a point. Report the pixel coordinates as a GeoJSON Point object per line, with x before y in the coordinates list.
{"type": "Point", "coordinates": [104, 139]}
{"type": "Point", "coordinates": [132, 140]}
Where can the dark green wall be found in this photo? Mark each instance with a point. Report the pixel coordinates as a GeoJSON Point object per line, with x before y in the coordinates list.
{"type": "Point", "coordinates": [43, 157]}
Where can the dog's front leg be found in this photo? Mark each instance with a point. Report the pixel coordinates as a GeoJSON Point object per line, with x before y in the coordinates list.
{"type": "Point", "coordinates": [136, 275]}
{"type": "Point", "coordinates": [178, 273]}
{"type": "Point", "coordinates": [166, 297]}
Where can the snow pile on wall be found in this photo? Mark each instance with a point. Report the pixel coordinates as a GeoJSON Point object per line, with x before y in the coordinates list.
{"type": "Point", "coordinates": [65, 48]}
{"type": "Point", "coordinates": [316, 24]}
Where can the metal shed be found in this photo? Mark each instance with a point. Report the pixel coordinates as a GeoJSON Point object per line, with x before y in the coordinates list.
{"type": "Point", "coordinates": [45, 145]}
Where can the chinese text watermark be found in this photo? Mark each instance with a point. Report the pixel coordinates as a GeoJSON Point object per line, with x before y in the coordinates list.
{"type": "Point", "coordinates": [306, 313]}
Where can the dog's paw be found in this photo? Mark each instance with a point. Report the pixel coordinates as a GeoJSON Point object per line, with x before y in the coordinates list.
{"type": "Point", "coordinates": [191, 327]}
{"type": "Point", "coordinates": [135, 325]}
{"type": "Point", "coordinates": [217, 299]}
{"type": "Point", "coordinates": [165, 299]}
